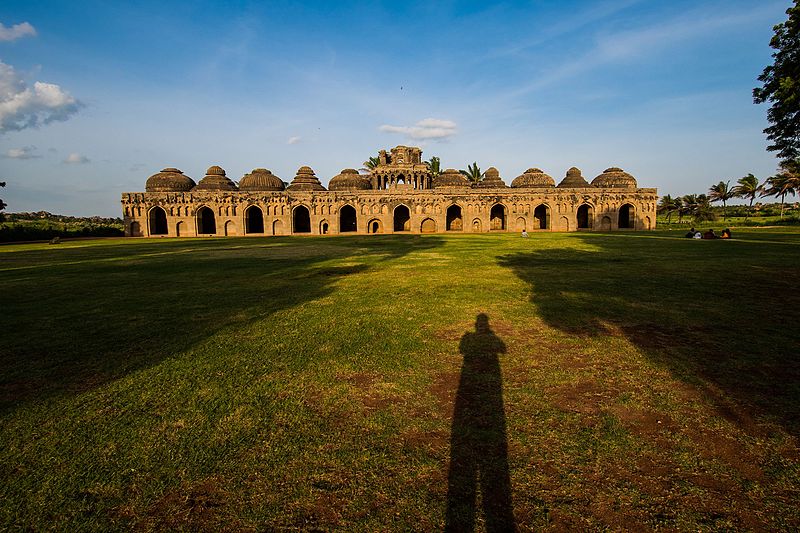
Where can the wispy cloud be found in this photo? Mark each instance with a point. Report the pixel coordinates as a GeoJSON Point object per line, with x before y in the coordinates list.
{"type": "Point", "coordinates": [294, 140]}
{"type": "Point", "coordinates": [17, 31]}
{"type": "Point", "coordinates": [76, 159]}
{"type": "Point", "coordinates": [429, 128]}
{"type": "Point", "coordinates": [24, 107]}
{"type": "Point", "coordinates": [26, 152]}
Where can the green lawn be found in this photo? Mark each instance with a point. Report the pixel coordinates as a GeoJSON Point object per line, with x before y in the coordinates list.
{"type": "Point", "coordinates": [632, 381]}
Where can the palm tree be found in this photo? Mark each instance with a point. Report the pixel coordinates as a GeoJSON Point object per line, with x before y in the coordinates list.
{"type": "Point", "coordinates": [473, 173]}
{"type": "Point", "coordinates": [704, 211]}
{"type": "Point", "coordinates": [371, 163]}
{"type": "Point", "coordinates": [667, 206]}
{"type": "Point", "coordinates": [677, 203]}
{"type": "Point", "coordinates": [748, 187]}
{"type": "Point", "coordinates": [723, 192]}
{"type": "Point", "coordinates": [434, 166]}
{"type": "Point", "coordinates": [780, 185]}
{"type": "Point", "coordinates": [690, 205]}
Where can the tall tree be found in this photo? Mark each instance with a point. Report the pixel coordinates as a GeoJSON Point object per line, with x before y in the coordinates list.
{"type": "Point", "coordinates": [689, 205]}
{"type": "Point", "coordinates": [667, 206]}
{"type": "Point", "coordinates": [434, 164]}
{"type": "Point", "coordinates": [748, 187]}
{"type": "Point", "coordinates": [721, 192]}
{"type": "Point", "coordinates": [780, 185]}
{"type": "Point", "coordinates": [473, 173]}
{"type": "Point", "coordinates": [371, 163]}
{"type": "Point", "coordinates": [781, 87]}
{"type": "Point", "coordinates": [678, 203]}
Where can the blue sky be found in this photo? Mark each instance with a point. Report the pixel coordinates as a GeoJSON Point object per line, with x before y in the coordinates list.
{"type": "Point", "coordinates": [96, 96]}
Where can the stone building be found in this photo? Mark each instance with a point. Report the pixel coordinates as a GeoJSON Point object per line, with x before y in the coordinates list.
{"type": "Point", "coordinates": [400, 195]}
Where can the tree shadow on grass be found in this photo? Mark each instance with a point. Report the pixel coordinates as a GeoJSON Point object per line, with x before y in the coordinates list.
{"type": "Point", "coordinates": [478, 441]}
{"type": "Point", "coordinates": [76, 318]}
{"type": "Point", "coordinates": [720, 315]}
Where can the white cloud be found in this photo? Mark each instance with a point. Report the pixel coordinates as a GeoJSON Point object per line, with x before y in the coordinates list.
{"type": "Point", "coordinates": [76, 159]}
{"type": "Point", "coordinates": [294, 140]}
{"type": "Point", "coordinates": [26, 152]}
{"type": "Point", "coordinates": [429, 128]}
{"type": "Point", "coordinates": [24, 107]}
{"type": "Point", "coordinates": [17, 31]}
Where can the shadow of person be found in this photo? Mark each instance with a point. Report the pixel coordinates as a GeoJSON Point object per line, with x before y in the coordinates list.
{"type": "Point", "coordinates": [478, 445]}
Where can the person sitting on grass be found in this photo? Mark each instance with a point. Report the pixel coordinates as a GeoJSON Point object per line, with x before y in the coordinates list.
{"type": "Point", "coordinates": [710, 234]}
{"type": "Point", "coordinates": [726, 234]}
{"type": "Point", "coordinates": [524, 233]}
{"type": "Point", "coordinates": [690, 234]}
{"type": "Point", "coordinates": [697, 235]}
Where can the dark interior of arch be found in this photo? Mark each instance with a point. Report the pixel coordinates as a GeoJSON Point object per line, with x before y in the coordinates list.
{"type": "Point", "coordinates": [255, 220]}
{"type": "Point", "coordinates": [347, 219]}
{"type": "Point", "coordinates": [402, 219]}
{"type": "Point", "coordinates": [540, 214]}
{"type": "Point", "coordinates": [158, 221]}
{"type": "Point", "coordinates": [206, 222]}
{"type": "Point", "coordinates": [584, 220]}
{"type": "Point", "coordinates": [497, 217]}
{"type": "Point", "coordinates": [454, 219]}
{"type": "Point", "coordinates": [625, 218]}
{"type": "Point", "coordinates": [301, 220]}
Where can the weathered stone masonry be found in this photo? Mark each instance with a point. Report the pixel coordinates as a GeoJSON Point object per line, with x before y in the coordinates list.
{"type": "Point", "coordinates": [399, 196]}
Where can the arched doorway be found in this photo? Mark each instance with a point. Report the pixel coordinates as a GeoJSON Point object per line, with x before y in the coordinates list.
{"type": "Point", "coordinates": [476, 225]}
{"type": "Point", "coordinates": [428, 226]}
{"type": "Point", "coordinates": [497, 217]}
{"type": "Point", "coordinates": [206, 222]}
{"type": "Point", "coordinates": [135, 229]}
{"type": "Point", "coordinates": [323, 227]}
{"type": "Point", "coordinates": [454, 220]}
{"type": "Point", "coordinates": [180, 229]}
{"type": "Point", "coordinates": [158, 221]}
{"type": "Point", "coordinates": [402, 218]}
{"type": "Point", "coordinates": [521, 224]}
{"type": "Point", "coordinates": [626, 217]}
{"type": "Point", "coordinates": [648, 223]}
{"type": "Point", "coordinates": [584, 216]}
{"type": "Point", "coordinates": [301, 220]}
{"type": "Point", "coordinates": [277, 227]}
{"type": "Point", "coordinates": [230, 228]}
{"type": "Point", "coordinates": [564, 223]}
{"type": "Point", "coordinates": [375, 226]}
{"type": "Point", "coordinates": [347, 219]}
{"type": "Point", "coordinates": [541, 217]}
{"type": "Point", "coordinates": [254, 220]}
{"type": "Point", "coordinates": [605, 223]}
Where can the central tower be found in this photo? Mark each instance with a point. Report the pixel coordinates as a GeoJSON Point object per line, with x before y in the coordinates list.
{"type": "Point", "coordinates": [402, 166]}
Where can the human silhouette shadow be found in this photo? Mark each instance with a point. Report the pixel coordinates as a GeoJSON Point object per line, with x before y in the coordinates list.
{"type": "Point", "coordinates": [478, 444]}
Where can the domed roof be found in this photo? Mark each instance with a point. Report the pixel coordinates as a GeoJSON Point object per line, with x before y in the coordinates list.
{"type": "Point", "coordinates": [615, 178]}
{"type": "Point", "coordinates": [215, 180]}
{"type": "Point", "coordinates": [349, 180]}
{"type": "Point", "coordinates": [450, 178]}
{"type": "Point", "coordinates": [533, 177]}
{"type": "Point", "coordinates": [261, 179]}
{"type": "Point", "coordinates": [305, 180]}
{"type": "Point", "coordinates": [491, 180]}
{"type": "Point", "coordinates": [573, 179]}
{"type": "Point", "coordinates": [169, 180]}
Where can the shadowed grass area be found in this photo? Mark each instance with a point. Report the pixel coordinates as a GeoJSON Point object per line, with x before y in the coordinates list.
{"type": "Point", "coordinates": [298, 383]}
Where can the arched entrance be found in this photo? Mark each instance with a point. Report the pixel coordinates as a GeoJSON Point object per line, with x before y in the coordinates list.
{"type": "Point", "coordinates": [158, 221]}
{"type": "Point", "coordinates": [206, 222]}
{"type": "Point", "coordinates": [301, 220]}
{"type": "Point", "coordinates": [626, 217]}
{"type": "Point", "coordinates": [521, 224]}
{"type": "Point", "coordinates": [230, 228]}
{"type": "Point", "coordinates": [402, 218]}
{"type": "Point", "coordinates": [277, 227]}
{"type": "Point", "coordinates": [584, 216]}
{"type": "Point", "coordinates": [497, 217]}
{"type": "Point", "coordinates": [564, 223]}
{"type": "Point", "coordinates": [648, 223]}
{"type": "Point", "coordinates": [476, 225]}
{"type": "Point", "coordinates": [428, 226]}
{"type": "Point", "coordinates": [180, 229]}
{"type": "Point", "coordinates": [375, 226]}
{"type": "Point", "coordinates": [454, 220]}
{"type": "Point", "coordinates": [135, 229]}
{"type": "Point", "coordinates": [605, 223]}
{"type": "Point", "coordinates": [541, 217]}
{"type": "Point", "coordinates": [323, 227]}
{"type": "Point", "coordinates": [254, 220]}
{"type": "Point", "coordinates": [347, 219]}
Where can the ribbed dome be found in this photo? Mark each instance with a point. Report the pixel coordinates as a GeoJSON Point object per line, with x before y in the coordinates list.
{"type": "Point", "coordinates": [349, 180]}
{"type": "Point", "coordinates": [169, 180]}
{"type": "Point", "coordinates": [450, 178]}
{"type": "Point", "coordinates": [305, 180]}
{"type": "Point", "coordinates": [573, 179]}
{"type": "Point", "coordinates": [491, 180]}
{"type": "Point", "coordinates": [533, 177]}
{"type": "Point", "coordinates": [615, 178]}
{"type": "Point", "coordinates": [261, 179]}
{"type": "Point", "coordinates": [215, 180]}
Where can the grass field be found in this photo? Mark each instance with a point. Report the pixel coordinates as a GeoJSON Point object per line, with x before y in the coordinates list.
{"type": "Point", "coordinates": [626, 381]}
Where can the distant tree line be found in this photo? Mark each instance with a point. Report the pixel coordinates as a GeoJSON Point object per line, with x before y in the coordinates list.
{"type": "Point", "coordinates": [44, 226]}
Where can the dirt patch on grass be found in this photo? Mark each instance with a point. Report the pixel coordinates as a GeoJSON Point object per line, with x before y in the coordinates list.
{"type": "Point", "coordinates": [585, 397]}
{"type": "Point", "coordinates": [444, 389]}
{"type": "Point", "coordinates": [433, 441]}
{"type": "Point", "coordinates": [644, 422]}
{"type": "Point", "coordinates": [199, 506]}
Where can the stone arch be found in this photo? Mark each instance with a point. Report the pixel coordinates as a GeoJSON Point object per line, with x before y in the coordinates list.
{"type": "Point", "coordinates": [626, 219]}
{"type": "Point", "coordinates": [253, 220]}
{"type": "Point", "coordinates": [605, 223]}
{"type": "Point", "coordinates": [584, 216]}
{"type": "Point", "coordinates": [455, 220]}
{"type": "Point", "coordinates": [428, 226]}
{"type": "Point", "coordinates": [324, 227]}
{"type": "Point", "coordinates": [402, 218]}
{"type": "Point", "coordinates": [206, 221]}
{"type": "Point", "coordinates": [565, 223]}
{"type": "Point", "coordinates": [476, 225]}
{"type": "Point", "coordinates": [301, 220]}
{"type": "Point", "coordinates": [497, 217]}
{"type": "Point", "coordinates": [230, 228]}
{"type": "Point", "coordinates": [541, 217]}
{"type": "Point", "coordinates": [522, 224]}
{"type": "Point", "coordinates": [375, 226]}
{"type": "Point", "coordinates": [136, 229]}
{"type": "Point", "coordinates": [277, 227]}
{"type": "Point", "coordinates": [180, 229]}
{"type": "Point", "coordinates": [648, 223]}
{"type": "Point", "coordinates": [157, 221]}
{"type": "Point", "coordinates": [348, 220]}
